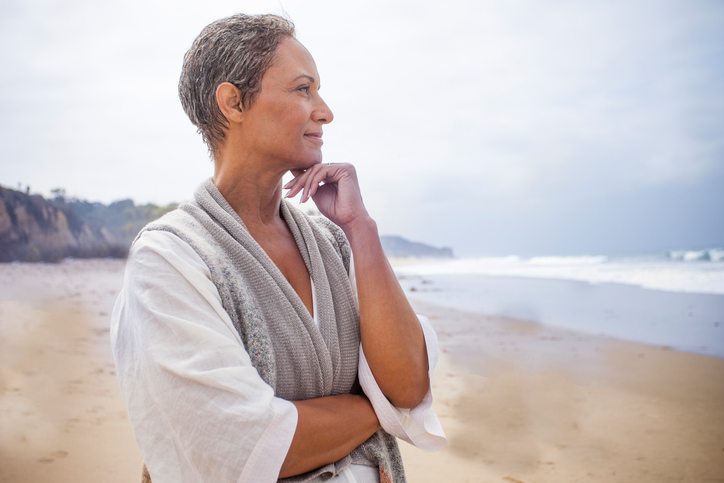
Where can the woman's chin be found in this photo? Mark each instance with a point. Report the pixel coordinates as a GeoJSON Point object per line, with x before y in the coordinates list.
{"type": "Point", "coordinates": [308, 163]}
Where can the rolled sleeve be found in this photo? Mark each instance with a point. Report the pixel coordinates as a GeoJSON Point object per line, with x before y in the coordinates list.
{"type": "Point", "coordinates": [418, 426]}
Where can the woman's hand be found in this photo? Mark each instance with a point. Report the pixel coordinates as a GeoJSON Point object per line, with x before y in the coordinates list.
{"type": "Point", "coordinates": [334, 189]}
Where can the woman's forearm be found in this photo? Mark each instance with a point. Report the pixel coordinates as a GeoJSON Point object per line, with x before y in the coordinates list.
{"type": "Point", "coordinates": [390, 332]}
{"type": "Point", "coordinates": [328, 429]}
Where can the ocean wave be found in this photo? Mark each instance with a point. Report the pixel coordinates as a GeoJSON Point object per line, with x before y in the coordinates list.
{"type": "Point", "coordinates": [709, 255]}
{"type": "Point", "coordinates": [557, 261]}
{"type": "Point", "coordinates": [660, 273]}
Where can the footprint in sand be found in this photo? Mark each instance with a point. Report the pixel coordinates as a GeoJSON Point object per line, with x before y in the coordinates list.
{"type": "Point", "coordinates": [95, 409]}
{"type": "Point", "coordinates": [71, 424]}
{"type": "Point", "coordinates": [57, 454]}
{"type": "Point", "coordinates": [73, 387]}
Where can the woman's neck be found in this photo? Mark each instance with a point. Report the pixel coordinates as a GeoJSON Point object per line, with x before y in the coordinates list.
{"type": "Point", "coordinates": [252, 189]}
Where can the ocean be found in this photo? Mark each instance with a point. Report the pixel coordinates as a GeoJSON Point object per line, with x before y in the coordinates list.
{"type": "Point", "coordinates": [673, 299]}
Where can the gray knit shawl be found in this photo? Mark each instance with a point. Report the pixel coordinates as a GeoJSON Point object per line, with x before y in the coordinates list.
{"type": "Point", "coordinates": [295, 357]}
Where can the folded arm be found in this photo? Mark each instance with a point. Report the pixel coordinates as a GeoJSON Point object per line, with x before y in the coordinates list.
{"type": "Point", "coordinates": [328, 429]}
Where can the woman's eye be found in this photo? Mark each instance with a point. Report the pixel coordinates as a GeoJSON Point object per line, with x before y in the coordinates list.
{"type": "Point", "coordinates": [305, 89]}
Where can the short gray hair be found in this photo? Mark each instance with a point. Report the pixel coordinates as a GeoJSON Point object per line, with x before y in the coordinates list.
{"type": "Point", "coordinates": [238, 49]}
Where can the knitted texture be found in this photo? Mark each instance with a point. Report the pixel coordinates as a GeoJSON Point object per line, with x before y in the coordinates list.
{"type": "Point", "coordinates": [295, 357]}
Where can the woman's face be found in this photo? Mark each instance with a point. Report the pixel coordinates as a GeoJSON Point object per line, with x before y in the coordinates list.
{"type": "Point", "coordinates": [284, 123]}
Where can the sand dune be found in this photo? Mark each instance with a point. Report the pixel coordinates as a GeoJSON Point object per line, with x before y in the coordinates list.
{"type": "Point", "coordinates": [519, 402]}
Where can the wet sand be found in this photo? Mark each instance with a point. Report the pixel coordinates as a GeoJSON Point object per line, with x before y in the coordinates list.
{"type": "Point", "coordinates": [690, 322]}
{"type": "Point", "coordinates": [519, 402]}
{"type": "Point", "coordinates": [525, 403]}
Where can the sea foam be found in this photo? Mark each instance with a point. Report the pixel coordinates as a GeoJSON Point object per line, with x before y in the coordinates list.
{"type": "Point", "coordinates": [676, 271]}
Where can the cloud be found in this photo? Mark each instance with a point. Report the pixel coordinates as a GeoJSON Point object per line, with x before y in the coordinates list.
{"type": "Point", "coordinates": [499, 112]}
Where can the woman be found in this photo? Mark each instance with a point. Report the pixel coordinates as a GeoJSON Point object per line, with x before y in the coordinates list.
{"type": "Point", "coordinates": [245, 328]}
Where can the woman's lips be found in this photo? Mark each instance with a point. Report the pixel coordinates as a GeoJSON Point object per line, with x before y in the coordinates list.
{"type": "Point", "coordinates": [315, 136]}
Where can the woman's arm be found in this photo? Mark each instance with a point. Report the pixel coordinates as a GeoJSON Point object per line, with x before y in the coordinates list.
{"type": "Point", "coordinates": [391, 336]}
{"type": "Point", "coordinates": [328, 429]}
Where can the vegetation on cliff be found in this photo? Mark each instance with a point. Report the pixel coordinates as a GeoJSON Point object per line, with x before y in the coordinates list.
{"type": "Point", "coordinates": [35, 229]}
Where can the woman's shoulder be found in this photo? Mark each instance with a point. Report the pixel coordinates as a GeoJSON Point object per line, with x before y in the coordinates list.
{"type": "Point", "coordinates": [175, 220]}
{"type": "Point", "coordinates": [180, 232]}
{"type": "Point", "coordinates": [183, 222]}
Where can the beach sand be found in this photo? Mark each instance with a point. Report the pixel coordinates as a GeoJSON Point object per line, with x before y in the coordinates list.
{"type": "Point", "coordinates": [525, 403]}
{"type": "Point", "coordinates": [61, 411]}
{"type": "Point", "coordinates": [519, 402]}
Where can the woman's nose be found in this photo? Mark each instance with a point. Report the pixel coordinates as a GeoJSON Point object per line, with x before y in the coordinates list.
{"type": "Point", "coordinates": [323, 113]}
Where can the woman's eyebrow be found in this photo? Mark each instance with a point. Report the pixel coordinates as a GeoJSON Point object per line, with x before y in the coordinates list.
{"type": "Point", "coordinates": [311, 79]}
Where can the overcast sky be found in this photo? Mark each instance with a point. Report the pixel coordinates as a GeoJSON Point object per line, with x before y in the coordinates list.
{"type": "Point", "coordinates": [493, 127]}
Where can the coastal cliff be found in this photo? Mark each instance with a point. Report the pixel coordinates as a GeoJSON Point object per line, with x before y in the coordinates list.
{"type": "Point", "coordinates": [35, 229]}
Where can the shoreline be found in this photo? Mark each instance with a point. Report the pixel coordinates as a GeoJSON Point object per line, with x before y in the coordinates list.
{"type": "Point", "coordinates": [682, 321]}
{"type": "Point", "coordinates": [519, 401]}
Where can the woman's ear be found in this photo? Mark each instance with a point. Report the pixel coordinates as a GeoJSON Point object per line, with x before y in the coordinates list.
{"type": "Point", "coordinates": [228, 97]}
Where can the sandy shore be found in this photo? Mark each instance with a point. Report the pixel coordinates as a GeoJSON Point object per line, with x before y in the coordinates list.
{"type": "Point", "coordinates": [519, 402]}
{"type": "Point", "coordinates": [61, 412]}
{"type": "Point", "coordinates": [525, 403]}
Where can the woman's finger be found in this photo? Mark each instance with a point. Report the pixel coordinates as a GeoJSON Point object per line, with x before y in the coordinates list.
{"type": "Point", "coordinates": [293, 186]}
{"type": "Point", "coordinates": [302, 182]}
{"type": "Point", "coordinates": [309, 181]}
{"type": "Point", "coordinates": [331, 173]}
{"type": "Point", "coordinates": [319, 173]}
{"type": "Point", "coordinates": [297, 183]}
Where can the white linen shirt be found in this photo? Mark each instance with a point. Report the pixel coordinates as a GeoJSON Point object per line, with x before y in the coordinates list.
{"type": "Point", "coordinates": [200, 412]}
